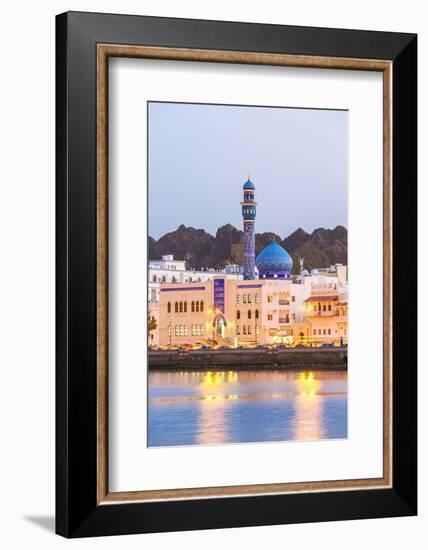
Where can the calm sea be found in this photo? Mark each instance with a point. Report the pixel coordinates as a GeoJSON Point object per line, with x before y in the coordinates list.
{"type": "Point", "coordinates": [206, 408]}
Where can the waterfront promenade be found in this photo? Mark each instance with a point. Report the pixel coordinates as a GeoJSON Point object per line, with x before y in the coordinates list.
{"type": "Point", "coordinates": [252, 358]}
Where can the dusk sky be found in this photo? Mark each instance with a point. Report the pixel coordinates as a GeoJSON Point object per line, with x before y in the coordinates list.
{"type": "Point", "coordinates": [200, 156]}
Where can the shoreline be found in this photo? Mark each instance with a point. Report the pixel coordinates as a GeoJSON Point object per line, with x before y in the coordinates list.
{"type": "Point", "coordinates": [334, 359]}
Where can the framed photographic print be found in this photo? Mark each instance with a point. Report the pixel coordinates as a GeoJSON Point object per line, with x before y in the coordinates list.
{"type": "Point", "coordinates": [236, 246]}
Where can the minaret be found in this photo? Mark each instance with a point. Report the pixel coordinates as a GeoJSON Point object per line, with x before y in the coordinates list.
{"type": "Point", "coordinates": [249, 220]}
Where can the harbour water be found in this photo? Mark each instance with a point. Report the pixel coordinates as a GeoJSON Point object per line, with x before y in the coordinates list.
{"type": "Point", "coordinates": [220, 407]}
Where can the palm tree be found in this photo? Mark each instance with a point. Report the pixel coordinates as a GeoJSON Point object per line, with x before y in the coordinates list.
{"type": "Point", "coordinates": [152, 324]}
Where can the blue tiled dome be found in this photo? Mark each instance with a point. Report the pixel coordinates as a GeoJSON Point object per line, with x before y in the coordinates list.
{"type": "Point", "coordinates": [249, 184]}
{"type": "Point", "coordinates": [274, 261]}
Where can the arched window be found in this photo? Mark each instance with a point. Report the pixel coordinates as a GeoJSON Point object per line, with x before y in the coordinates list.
{"type": "Point", "coordinates": [193, 307]}
{"type": "Point", "coordinates": [319, 306]}
{"type": "Point", "coordinates": [169, 307]}
{"type": "Point", "coordinates": [185, 307]}
{"type": "Point", "coordinates": [197, 305]}
{"type": "Point", "coordinates": [202, 305]}
{"type": "Point", "coordinates": [173, 279]}
{"type": "Point", "coordinates": [238, 314]}
{"type": "Point", "coordinates": [176, 307]}
{"type": "Point", "coordinates": [154, 278]}
{"type": "Point", "coordinates": [181, 307]}
{"type": "Point", "coordinates": [249, 314]}
{"type": "Point", "coordinates": [163, 279]}
{"type": "Point", "coordinates": [257, 313]}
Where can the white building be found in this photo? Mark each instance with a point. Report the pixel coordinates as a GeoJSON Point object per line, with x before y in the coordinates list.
{"type": "Point", "coordinates": [168, 270]}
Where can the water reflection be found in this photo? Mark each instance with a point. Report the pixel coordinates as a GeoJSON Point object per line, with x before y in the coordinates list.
{"type": "Point", "coordinates": [218, 407]}
{"type": "Point", "coordinates": [308, 408]}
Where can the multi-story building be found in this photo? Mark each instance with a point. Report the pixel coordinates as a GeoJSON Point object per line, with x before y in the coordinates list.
{"type": "Point", "coordinates": [221, 311]}
{"type": "Point", "coordinates": [169, 270]}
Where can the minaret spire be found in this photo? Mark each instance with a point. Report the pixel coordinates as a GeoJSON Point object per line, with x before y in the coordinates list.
{"type": "Point", "coordinates": [249, 220]}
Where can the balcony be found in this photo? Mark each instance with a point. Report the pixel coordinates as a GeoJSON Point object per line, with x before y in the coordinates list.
{"type": "Point", "coordinates": [284, 302]}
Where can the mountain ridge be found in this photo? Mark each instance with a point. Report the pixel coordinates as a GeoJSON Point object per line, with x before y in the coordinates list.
{"type": "Point", "coordinates": [321, 248]}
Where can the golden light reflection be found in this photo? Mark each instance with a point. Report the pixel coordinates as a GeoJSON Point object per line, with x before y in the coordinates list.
{"type": "Point", "coordinates": [307, 384]}
{"type": "Point", "coordinates": [212, 423]}
{"type": "Point", "coordinates": [232, 376]}
{"type": "Point", "coordinates": [219, 377]}
{"type": "Point", "coordinates": [308, 420]}
{"type": "Point", "coordinates": [214, 407]}
{"type": "Point", "coordinates": [209, 378]}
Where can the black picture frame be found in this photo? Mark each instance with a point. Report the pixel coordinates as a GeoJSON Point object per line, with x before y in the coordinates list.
{"type": "Point", "coordinates": [77, 511]}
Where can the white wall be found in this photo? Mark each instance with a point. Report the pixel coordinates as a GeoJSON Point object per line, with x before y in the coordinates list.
{"type": "Point", "coordinates": [27, 271]}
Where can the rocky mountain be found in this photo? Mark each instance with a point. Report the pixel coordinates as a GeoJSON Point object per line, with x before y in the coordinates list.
{"type": "Point", "coordinates": [321, 248]}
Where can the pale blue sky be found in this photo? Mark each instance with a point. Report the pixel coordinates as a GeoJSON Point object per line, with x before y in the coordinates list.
{"type": "Point", "coordinates": [200, 155]}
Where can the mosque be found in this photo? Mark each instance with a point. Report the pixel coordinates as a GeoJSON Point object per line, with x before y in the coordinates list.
{"type": "Point", "coordinates": [268, 305]}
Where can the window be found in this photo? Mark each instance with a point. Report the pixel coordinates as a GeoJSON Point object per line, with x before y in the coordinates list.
{"type": "Point", "coordinates": [319, 306]}
{"type": "Point", "coordinates": [249, 329]}
{"type": "Point", "coordinates": [238, 298]}
{"type": "Point", "coordinates": [197, 305]}
{"type": "Point", "coordinates": [181, 307]}
{"type": "Point", "coordinates": [181, 330]}
{"type": "Point", "coordinates": [245, 329]}
{"type": "Point", "coordinates": [169, 307]}
{"type": "Point", "coordinates": [293, 316]}
{"type": "Point", "coordinates": [329, 330]}
{"type": "Point", "coordinates": [323, 331]}
{"type": "Point", "coordinates": [177, 330]}
{"type": "Point", "coordinates": [202, 305]}
{"type": "Point", "coordinates": [257, 330]}
{"type": "Point", "coordinates": [154, 278]}
{"type": "Point", "coordinates": [249, 298]}
{"type": "Point", "coordinates": [315, 331]}
{"type": "Point", "coordinates": [185, 330]}
{"type": "Point", "coordinates": [193, 307]}
{"type": "Point", "coordinates": [173, 279]}
{"type": "Point", "coordinates": [238, 314]}
{"type": "Point", "coordinates": [202, 330]}
{"type": "Point", "coordinates": [269, 299]}
{"type": "Point", "coordinates": [293, 298]}
{"type": "Point", "coordinates": [257, 297]}
{"type": "Point", "coordinates": [169, 330]}
{"type": "Point", "coordinates": [185, 307]}
{"type": "Point", "coordinates": [324, 307]}
{"type": "Point", "coordinates": [238, 329]}
{"type": "Point", "coordinates": [329, 307]}
{"type": "Point", "coordinates": [249, 314]}
{"type": "Point", "coordinates": [257, 313]}
{"type": "Point", "coordinates": [193, 330]}
{"type": "Point", "coordinates": [176, 307]}
{"type": "Point", "coordinates": [163, 278]}
{"type": "Point", "coordinates": [244, 298]}
{"type": "Point", "coordinates": [270, 316]}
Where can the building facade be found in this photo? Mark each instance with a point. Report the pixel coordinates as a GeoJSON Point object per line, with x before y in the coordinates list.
{"type": "Point", "coordinates": [310, 310]}
{"type": "Point", "coordinates": [267, 305]}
